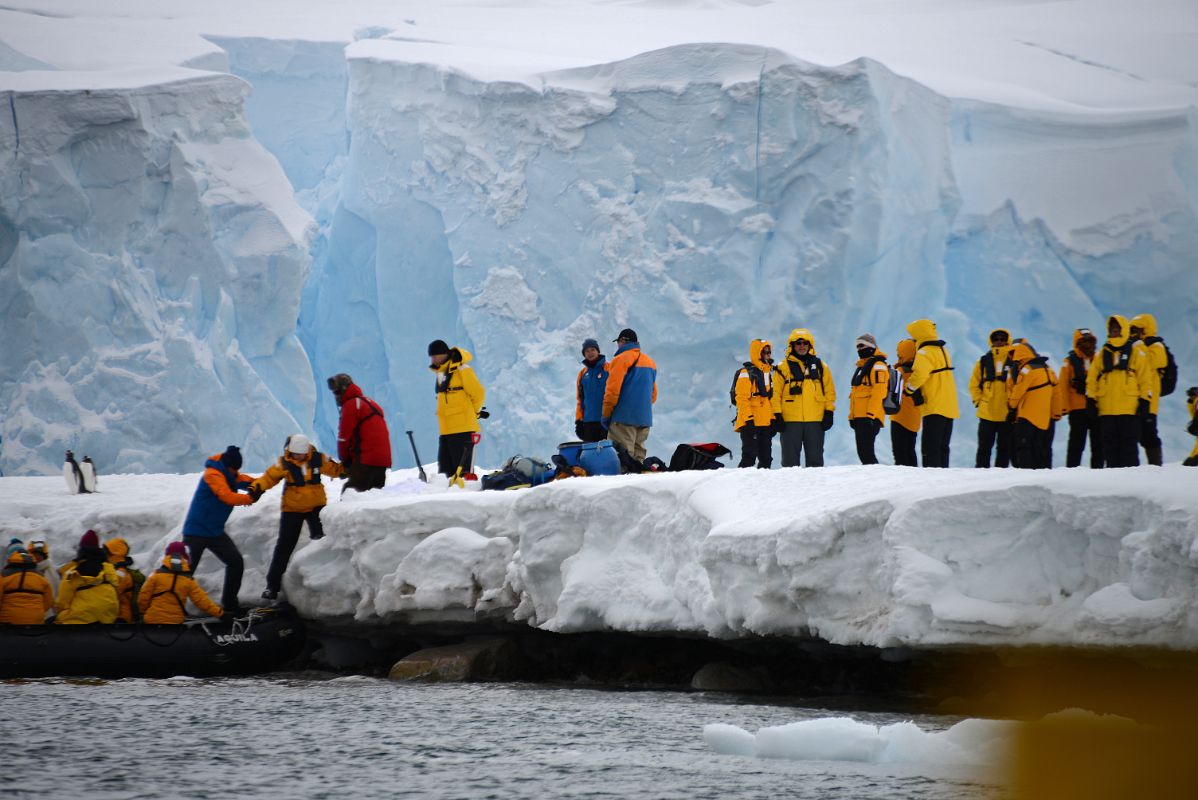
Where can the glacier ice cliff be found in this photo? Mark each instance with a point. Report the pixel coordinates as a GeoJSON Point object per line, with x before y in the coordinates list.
{"type": "Point", "coordinates": [151, 263]}
{"type": "Point", "coordinates": [182, 264]}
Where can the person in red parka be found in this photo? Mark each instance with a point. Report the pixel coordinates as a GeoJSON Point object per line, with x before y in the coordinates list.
{"type": "Point", "coordinates": [363, 441]}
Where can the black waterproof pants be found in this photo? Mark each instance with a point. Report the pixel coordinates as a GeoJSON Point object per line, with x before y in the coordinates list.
{"type": "Point", "coordinates": [756, 446]}
{"type": "Point", "coordinates": [989, 434]}
{"type": "Point", "coordinates": [1031, 448]}
{"type": "Point", "coordinates": [363, 478]}
{"type": "Point", "coordinates": [934, 444]}
{"type": "Point", "coordinates": [455, 450]}
{"type": "Point", "coordinates": [290, 525]}
{"type": "Point", "coordinates": [1150, 439]}
{"type": "Point", "coordinates": [902, 444]}
{"type": "Point", "coordinates": [866, 431]}
{"type": "Point", "coordinates": [1083, 424]}
{"type": "Point", "coordinates": [224, 548]}
{"type": "Point", "coordinates": [804, 439]}
{"type": "Point", "coordinates": [1120, 440]}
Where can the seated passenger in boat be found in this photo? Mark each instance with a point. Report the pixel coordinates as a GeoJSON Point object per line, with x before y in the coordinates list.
{"type": "Point", "coordinates": [41, 554]}
{"type": "Point", "coordinates": [163, 597]}
{"type": "Point", "coordinates": [131, 579]}
{"type": "Point", "coordinates": [25, 596]}
{"type": "Point", "coordinates": [88, 592]}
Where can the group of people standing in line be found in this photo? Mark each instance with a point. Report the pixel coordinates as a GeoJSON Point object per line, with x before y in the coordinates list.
{"type": "Point", "coordinates": [1110, 396]}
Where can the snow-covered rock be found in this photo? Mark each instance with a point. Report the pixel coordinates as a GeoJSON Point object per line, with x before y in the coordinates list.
{"type": "Point", "coordinates": [881, 556]}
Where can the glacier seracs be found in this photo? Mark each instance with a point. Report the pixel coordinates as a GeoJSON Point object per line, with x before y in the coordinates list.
{"type": "Point", "coordinates": [516, 178]}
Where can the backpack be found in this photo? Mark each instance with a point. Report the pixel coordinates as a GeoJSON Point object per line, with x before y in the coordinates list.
{"type": "Point", "coordinates": [1077, 377]}
{"type": "Point", "coordinates": [755, 375]}
{"type": "Point", "coordinates": [518, 472]}
{"type": "Point", "coordinates": [893, 401]}
{"type": "Point", "coordinates": [1169, 373]}
{"type": "Point", "coordinates": [697, 456]}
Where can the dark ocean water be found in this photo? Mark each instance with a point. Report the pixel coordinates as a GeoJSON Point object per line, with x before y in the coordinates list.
{"type": "Point", "coordinates": [312, 736]}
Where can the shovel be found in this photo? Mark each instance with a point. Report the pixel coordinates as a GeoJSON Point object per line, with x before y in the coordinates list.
{"type": "Point", "coordinates": [412, 439]}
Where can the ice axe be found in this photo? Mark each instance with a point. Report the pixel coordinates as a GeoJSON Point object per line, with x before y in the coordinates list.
{"type": "Point", "coordinates": [412, 439]}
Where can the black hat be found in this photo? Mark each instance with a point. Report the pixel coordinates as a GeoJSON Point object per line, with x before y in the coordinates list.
{"type": "Point", "coordinates": [438, 348]}
{"type": "Point", "coordinates": [628, 335]}
{"type": "Point", "coordinates": [231, 458]}
{"type": "Point", "coordinates": [1193, 390]}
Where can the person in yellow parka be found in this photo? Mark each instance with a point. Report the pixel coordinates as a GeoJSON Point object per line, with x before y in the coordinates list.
{"type": "Point", "coordinates": [805, 397]}
{"type": "Point", "coordinates": [931, 384]}
{"type": "Point", "coordinates": [870, 382]}
{"type": "Point", "coordinates": [1143, 330]}
{"type": "Point", "coordinates": [164, 595]}
{"type": "Point", "coordinates": [1071, 393]}
{"type": "Point", "coordinates": [904, 425]}
{"type": "Point", "coordinates": [753, 390]}
{"type": "Point", "coordinates": [25, 596]}
{"type": "Point", "coordinates": [1121, 387]}
{"type": "Point", "coordinates": [1033, 400]}
{"type": "Point", "coordinates": [988, 389]}
{"type": "Point", "coordinates": [1192, 402]}
{"type": "Point", "coordinates": [88, 592]}
{"type": "Point", "coordinates": [300, 468]}
{"type": "Point", "coordinates": [460, 399]}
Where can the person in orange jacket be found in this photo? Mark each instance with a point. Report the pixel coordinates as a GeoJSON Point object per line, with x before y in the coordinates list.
{"type": "Point", "coordinates": [164, 595]}
{"type": "Point", "coordinates": [130, 579]}
{"type": "Point", "coordinates": [300, 468]}
{"type": "Point", "coordinates": [1033, 401]}
{"type": "Point", "coordinates": [754, 393]}
{"type": "Point", "coordinates": [870, 382]}
{"type": "Point", "coordinates": [630, 394]}
{"type": "Point", "coordinates": [904, 425]}
{"type": "Point", "coordinates": [1071, 394]}
{"type": "Point", "coordinates": [25, 596]}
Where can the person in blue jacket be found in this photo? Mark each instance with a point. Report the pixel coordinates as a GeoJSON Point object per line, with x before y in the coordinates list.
{"type": "Point", "coordinates": [630, 395]}
{"type": "Point", "coordinates": [204, 527]}
{"type": "Point", "coordinates": [590, 386]}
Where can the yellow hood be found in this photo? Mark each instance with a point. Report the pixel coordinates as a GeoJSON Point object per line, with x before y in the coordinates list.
{"type": "Point", "coordinates": [922, 330]}
{"type": "Point", "coordinates": [1079, 333]}
{"type": "Point", "coordinates": [1145, 322]}
{"type": "Point", "coordinates": [755, 348]}
{"type": "Point", "coordinates": [905, 350]}
{"type": "Point", "coordinates": [1124, 329]}
{"type": "Point", "coordinates": [118, 550]}
{"type": "Point", "coordinates": [800, 333]}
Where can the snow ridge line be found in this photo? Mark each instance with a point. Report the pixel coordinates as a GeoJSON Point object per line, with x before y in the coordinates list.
{"type": "Point", "coordinates": [12, 107]}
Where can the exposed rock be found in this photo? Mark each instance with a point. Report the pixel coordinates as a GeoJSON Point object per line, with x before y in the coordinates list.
{"type": "Point", "coordinates": [487, 659]}
{"type": "Point", "coordinates": [720, 677]}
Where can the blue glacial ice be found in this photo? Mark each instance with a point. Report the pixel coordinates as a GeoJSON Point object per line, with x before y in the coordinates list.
{"type": "Point", "coordinates": [182, 266]}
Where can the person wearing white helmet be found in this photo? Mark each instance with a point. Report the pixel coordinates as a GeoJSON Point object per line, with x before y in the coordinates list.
{"type": "Point", "coordinates": [300, 469]}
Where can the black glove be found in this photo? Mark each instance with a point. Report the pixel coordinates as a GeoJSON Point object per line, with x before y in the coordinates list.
{"type": "Point", "coordinates": [578, 429]}
{"type": "Point", "coordinates": [1143, 409]}
{"type": "Point", "coordinates": [828, 420]}
{"type": "Point", "coordinates": [1092, 406]}
{"type": "Point", "coordinates": [1012, 415]}
{"type": "Point", "coordinates": [255, 493]}
{"type": "Point", "coordinates": [778, 424]}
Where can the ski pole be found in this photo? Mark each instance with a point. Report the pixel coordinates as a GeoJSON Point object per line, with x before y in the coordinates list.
{"type": "Point", "coordinates": [412, 439]}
